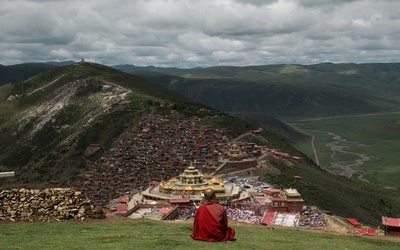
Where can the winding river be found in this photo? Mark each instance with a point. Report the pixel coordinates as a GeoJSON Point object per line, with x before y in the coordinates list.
{"type": "Point", "coordinates": [348, 168]}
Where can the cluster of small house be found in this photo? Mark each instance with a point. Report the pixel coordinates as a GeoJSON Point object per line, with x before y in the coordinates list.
{"type": "Point", "coordinates": [156, 149]}
{"type": "Point", "coordinates": [277, 200]}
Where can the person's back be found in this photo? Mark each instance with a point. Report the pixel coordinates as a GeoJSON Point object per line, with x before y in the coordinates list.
{"type": "Point", "coordinates": [211, 222]}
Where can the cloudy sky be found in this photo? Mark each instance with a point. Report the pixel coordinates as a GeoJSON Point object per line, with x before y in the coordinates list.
{"type": "Point", "coordinates": [193, 33]}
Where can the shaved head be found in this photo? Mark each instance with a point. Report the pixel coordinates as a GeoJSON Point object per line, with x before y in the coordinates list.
{"type": "Point", "coordinates": [209, 194]}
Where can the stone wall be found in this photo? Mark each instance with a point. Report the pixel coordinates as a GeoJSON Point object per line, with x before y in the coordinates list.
{"type": "Point", "coordinates": [46, 205]}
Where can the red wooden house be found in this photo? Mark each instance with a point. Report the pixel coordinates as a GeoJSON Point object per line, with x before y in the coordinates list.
{"type": "Point", "coordinates": [294, 200]}
{"type": "Point", "coordinates": [353, 222]}
{"type": "Point", "coordinates": [391, 226]}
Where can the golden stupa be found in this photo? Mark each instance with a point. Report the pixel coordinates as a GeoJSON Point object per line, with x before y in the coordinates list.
{"type": "Point", "coordinates": [191, 181]}
{"type": "Point", "coordinates": [234, 153]}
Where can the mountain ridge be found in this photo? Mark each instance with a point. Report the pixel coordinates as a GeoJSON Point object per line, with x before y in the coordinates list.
{"type": "Point", "coordinates": [289, 90]}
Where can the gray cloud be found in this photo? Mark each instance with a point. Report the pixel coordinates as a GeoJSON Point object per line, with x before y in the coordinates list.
{"type": "Point", "coordinates": [319, 3]}
{"type": "Point", "coordinates": [189, 33]}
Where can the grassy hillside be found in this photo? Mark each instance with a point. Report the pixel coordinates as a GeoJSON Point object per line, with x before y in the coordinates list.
{"type": "Point", "coordinates": [138, 234]}
{"type": "Point", "coordinates": [53, 117]}
{"type": "Point", "coordinates": [276, 126]}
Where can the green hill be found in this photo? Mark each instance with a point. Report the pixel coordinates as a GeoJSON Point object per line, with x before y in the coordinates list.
{"type": "Point", "coordinates": [48, 121]}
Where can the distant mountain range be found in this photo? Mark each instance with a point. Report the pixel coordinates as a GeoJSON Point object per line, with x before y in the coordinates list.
{"type": "Point", "coordinates": [288, 90]}
{"type": "Point", "coordinates": [21, 72]}
{"type": "Point", "coordinates": [271, 90]}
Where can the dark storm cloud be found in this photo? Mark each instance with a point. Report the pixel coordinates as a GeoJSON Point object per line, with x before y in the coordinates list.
{"type": "Point", "coordinates": [186, 33]}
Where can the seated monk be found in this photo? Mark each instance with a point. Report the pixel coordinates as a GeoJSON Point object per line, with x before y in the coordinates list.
{"type": "Point", "coordinates": [211, 222]}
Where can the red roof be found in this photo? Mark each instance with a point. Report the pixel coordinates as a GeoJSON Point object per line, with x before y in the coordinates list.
{"type": "Point", "coordinates": [121, 209]}
{"type": "Point", "coordinates": [164, 210]}
{"type": "Point", "coordinates": [201, 145]}
{"type": "Point", "coordinates": [261, 199]}
{"type": "Point", "coordinates": [270, 191]}
{"type": "Point", "coordinates": [268, 218]}
{"type": "Point", "coordinates": [179, 201]}
{"type": "Point", "coordinates": [392, 222]}
{"type": "Point", "coordinates": [123, 199]}
{"type": "Point", "coordinates": [353, 221]}
{"type": "Point", "coordinates": [277, 199]}
{"type": "Point", "coordinates": [368, 231]}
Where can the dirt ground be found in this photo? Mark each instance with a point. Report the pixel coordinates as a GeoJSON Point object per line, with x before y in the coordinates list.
{"type": "Point", "coordinates": [335, 225]}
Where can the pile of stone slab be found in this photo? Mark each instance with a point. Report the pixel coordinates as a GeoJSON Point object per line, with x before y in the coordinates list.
{"type": "Point", "coordinates": [53, 204]}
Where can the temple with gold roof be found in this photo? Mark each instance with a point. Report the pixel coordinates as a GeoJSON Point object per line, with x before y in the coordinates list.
{"type": "Point", "coordinates": [234, 153]}
{"type": "Point", "coordinates": [190, 184]}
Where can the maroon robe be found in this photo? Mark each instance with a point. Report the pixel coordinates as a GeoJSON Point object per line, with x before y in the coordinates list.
{"type": "Point", "coordinates": [211, 223]}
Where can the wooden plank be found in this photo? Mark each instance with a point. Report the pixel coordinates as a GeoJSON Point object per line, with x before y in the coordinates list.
{"type": "Point", "coordinates": [6, 174]}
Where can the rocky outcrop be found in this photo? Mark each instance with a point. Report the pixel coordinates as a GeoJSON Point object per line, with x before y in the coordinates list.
{"type": "Point", "coordinates": [46, 205]}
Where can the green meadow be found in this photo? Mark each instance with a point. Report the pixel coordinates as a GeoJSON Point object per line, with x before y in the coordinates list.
{"type": "Point", "coordinates": [141, 234]}
{"type": "Point", "coordinates": [373, 139]}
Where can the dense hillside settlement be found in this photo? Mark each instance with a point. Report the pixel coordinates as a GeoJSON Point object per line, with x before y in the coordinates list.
{"type": "Point", "coordinates": [159, 148]}
{"type": "Point", "coordinates": [158, 169]}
